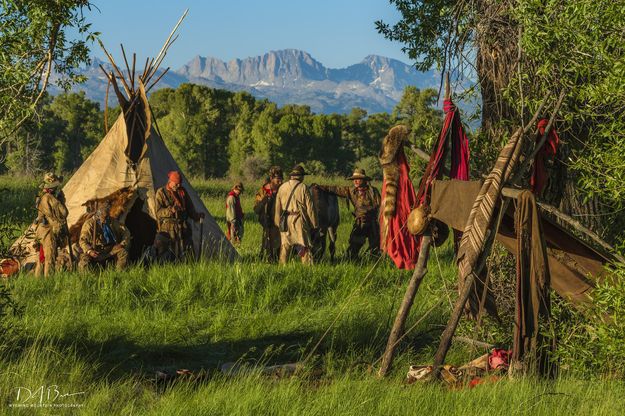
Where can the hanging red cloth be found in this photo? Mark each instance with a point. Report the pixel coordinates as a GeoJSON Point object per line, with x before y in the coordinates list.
{"type": "Point", "coordinates": [549, 149]}
{"type": "Point", "coordinates": [401, 246]}
{"type": "Point", "coordinates": [453, 132]}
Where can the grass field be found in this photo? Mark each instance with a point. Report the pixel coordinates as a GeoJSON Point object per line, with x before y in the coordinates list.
{"type": "Point", "coordinates": [105, 335]}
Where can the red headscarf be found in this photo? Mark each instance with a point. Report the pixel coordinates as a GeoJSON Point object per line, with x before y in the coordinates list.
{"type": "Point", "coordinates": [175, 177]}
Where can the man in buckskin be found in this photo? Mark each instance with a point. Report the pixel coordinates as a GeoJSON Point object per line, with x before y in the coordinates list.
{"type": "Point", "coordinates": [173, 210]}
{"type": "Point", "coordinates": [51, 223]}
{"type": "Point", "coordinates": [295, 217]}
{"type": "Point", "coordinates": [103, 237]}
{"type": "Point", "coordinates": [264, 207]}
{"type": "Point", "coordinates": [366, 201]}
{"type": "Point", "coordinates": [234, 215]}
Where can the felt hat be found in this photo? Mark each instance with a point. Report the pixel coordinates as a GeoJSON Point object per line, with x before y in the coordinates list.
{"type": "Point", "coordinates": [297, 171]}
{"type": "Point", "coordinates": [359, 174]}
{"type": "Point", "coordinates": [50, 180]}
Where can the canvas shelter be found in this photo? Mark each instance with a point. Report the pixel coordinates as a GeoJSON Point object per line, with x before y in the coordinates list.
{"type": "Point", "coordinates": [127, 167]}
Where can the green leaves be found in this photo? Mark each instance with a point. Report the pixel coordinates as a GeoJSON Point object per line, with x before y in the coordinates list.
{"type": "Point", "coordinates": [33, 45]}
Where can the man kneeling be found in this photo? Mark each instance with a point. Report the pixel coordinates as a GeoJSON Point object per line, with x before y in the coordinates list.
{"type": "Point", "coordinates": [103, 238]}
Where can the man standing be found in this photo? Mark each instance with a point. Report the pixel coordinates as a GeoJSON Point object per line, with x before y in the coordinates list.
{"type": "Point", "coordinates": [173, 208]}
{"type": "Point", "coordinates": [103, 237]}
{"type": "Point", "coordinates": [51, 223]}
{"type": "Point", "coordinates": [366, 201]}
{"type": "Point", "coordinates": [295, 217]}
{"type": "Point", "coordinates": [264, 207]}
{"type": "Point", "coordinates": [234, 215]}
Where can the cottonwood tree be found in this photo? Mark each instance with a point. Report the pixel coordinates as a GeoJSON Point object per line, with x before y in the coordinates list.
{"type": "Point", "coordinates": [517, 51]}
{"type": "Point", "coordinates": [36, 47]}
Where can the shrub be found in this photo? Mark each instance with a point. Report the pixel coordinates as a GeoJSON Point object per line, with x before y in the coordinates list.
{"type": "Point", "coordinates": [254, 167]}
{"type": "Point", "coordinates": [590, 342]}
{"type": "Point", "coordinates": [315, 167]}
{"type": "Point", "coordinates": [372, 166]}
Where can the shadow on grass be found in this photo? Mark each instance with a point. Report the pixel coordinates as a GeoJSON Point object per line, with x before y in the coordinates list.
{"type": "Point", "coordinates": [119, 357]}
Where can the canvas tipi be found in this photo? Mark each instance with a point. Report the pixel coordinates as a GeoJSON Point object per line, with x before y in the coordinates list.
{"type": "Point", "coordinates": [131, 158]}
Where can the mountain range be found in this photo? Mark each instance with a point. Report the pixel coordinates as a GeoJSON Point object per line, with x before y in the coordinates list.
{"type": "Point", "coordinates": [290, 76]}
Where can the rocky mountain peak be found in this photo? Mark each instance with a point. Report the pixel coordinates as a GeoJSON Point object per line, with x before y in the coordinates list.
{"type": "Point", "coordinates": [293, 76]}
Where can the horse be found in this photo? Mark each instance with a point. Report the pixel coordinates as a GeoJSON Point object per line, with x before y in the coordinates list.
{"type": "Point", "coordinates": [327, 209]}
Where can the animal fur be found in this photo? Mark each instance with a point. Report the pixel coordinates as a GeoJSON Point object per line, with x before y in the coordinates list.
{"type": "Point", "coordinates": [391, 145]}
{"type": "Point", "coordinates": [395, 138]}
{"type": "Point", "coordinates": [120, 202]}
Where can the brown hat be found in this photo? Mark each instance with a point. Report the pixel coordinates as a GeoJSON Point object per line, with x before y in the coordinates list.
{"type": "Point", "coordinates": [276, 172]}
{"type": "Point", "coordinates": [395, 138]}
{"type": "Point", "coordinates": [238, 185]}
{"type": "Point", "coordinates": [297, 171]}
{"type": "Point", "coordinates": [50, 180]}
{"type": "Point", "coordinates": [359, 174]}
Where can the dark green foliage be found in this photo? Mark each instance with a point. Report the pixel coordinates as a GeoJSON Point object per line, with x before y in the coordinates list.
{"type": "Point", "coordinates": [518, 50]}
{"type": "Point", "coordinates": [34, 43]}
{"type": "Point", "coordinates": [68, 129]}
{"type": "Point", "coordinates": [591, 341]}
{"type": "Point", "coordinates": [213, 133]}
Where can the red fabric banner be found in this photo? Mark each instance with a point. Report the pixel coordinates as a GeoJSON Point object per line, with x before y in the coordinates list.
{"type": "Point", "coordinates": [401, 246]}
{"type": "Point", "coordinates": [549, 149]}
{"type": "Point", "coordinates": [453, 132]}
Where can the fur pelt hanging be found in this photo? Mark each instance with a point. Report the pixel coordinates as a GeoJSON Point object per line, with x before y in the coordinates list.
{"type": "Point", "coordinates": [398, 199]}
{"type": "Point", "coordinates": [395, 138]}
{"type": "Point", "coordinates": [120, 202]}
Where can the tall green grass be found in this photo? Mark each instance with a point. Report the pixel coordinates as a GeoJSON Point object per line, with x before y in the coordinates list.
{"type": "Point", "coordinates": [106, 334]}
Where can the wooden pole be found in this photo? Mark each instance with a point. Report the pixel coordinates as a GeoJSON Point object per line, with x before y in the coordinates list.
{"type": "Point", "coordinates": [404, 309]}
{"type": "Point", "coordinates": [450, 329]}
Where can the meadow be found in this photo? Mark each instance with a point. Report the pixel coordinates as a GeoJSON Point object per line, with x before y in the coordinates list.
{"type": "Point", "coordinates": [95, 343]}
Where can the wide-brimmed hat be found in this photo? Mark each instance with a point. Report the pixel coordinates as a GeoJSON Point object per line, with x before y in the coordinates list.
{"type": "Point", "coordinates": [239, 186]}
{"type": "Point", "coordinates": [50, 180]}
{"type": "Point", "coordinates": [391, 144]}
{"type": "Point", "coordinates": [359, 174]}
{"type": "Point", "coordinates": [276, 172]}
{"type": "Point", "coordinates": [298, 171]}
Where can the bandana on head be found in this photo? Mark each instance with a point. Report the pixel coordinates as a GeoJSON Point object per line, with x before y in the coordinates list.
{"type": "Point", "coordinates": [174, 177]}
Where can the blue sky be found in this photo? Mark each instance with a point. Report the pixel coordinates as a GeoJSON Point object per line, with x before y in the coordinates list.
{"type": "Point", "coordinates": [337, 33]}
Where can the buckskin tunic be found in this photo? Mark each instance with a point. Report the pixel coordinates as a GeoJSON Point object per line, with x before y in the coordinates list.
{"type": "Point", "coordinates": [264, 207]}
{"type": "Point", "coordinates": [175, 224]}
{"type": "Point", "coordinates": [301, 220]}
{"type": "Point", "coordinates": [366, 202]}
{"type": "Point", "coordinates": [234, 218]}
{"type": "Point", "coordinates": [92, 237]}
{"type": "Point", "coordinates": [51, 220]}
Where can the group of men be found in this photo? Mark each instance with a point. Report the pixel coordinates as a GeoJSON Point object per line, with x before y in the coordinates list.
{"type": "Point", "coordinates": [289, 220]}
{"type": "Point", "coordinates": [104, 238]}
{"type": "Point", "coordinates": [285, 210]}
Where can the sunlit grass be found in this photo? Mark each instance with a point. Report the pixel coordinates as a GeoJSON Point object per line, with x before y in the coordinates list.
{"type": "Point", "coordinates": [106, 334]}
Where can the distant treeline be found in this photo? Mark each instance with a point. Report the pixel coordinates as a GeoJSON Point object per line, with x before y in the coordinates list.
{"type": "Point", "coordinates": [214, 133]}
